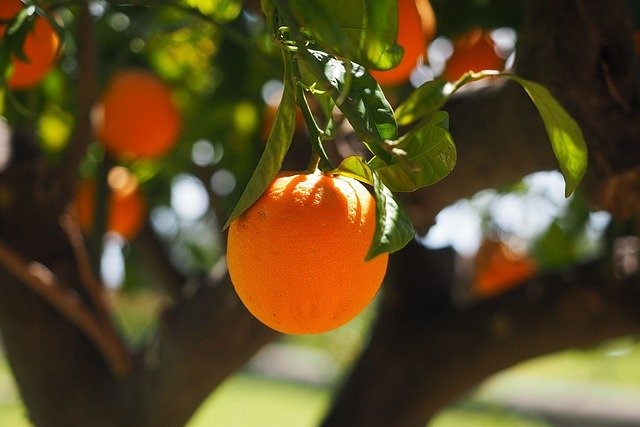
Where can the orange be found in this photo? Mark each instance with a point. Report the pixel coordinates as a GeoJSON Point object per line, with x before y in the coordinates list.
{"type": "Point", "coordinates": [41, 48]}
{"type": "Point", "coordinates": [269, 115]}
{"type": "Point", "coordinates": [473, 51]}
{"type": "Point", "coordinates": [136, 116]}
{"type": "Point", "coordinates": [297, 256]}
{"type": "Point", "coordinates": [416, 27]}
{"type": "Point", "coordinates": [499, 269]}
{"type": "Point", "coordinates": [126, 206]}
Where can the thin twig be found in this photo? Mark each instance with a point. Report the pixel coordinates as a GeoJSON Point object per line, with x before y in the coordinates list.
{"type": "Point", "coordinates": [42, 281]}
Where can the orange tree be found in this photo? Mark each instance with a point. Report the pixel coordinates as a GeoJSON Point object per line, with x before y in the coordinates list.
{"type": "Point", "coordinates": [416, 149]}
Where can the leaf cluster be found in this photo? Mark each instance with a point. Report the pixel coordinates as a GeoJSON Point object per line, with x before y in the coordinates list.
{"type": "Point", "coordinates": [327, 50]}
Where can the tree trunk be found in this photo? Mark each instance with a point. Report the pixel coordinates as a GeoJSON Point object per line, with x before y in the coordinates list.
{"type": "Point", "coordinates": [62, 373]}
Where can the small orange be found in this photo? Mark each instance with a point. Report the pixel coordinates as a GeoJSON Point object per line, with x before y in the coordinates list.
{"type": "Point", "coordinates": [41, 48]}
{"type": "Point", "coordinates": [297, 256]}
{"type": "Point", "coordinates": [473, 51]}
{"type": "Point", "coordinates": [416, 27]}
{"type": "Point", "coordinates": [126, 206]}
{"type": "Point", "coordinates": [136, 116]}
{"type": "Point", "coordinates": [269, 115]}
{"type": "Point", "coordinates": [498, 269]}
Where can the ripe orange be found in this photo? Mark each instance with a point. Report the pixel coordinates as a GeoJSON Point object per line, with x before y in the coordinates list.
{"type": "Point", "coordinates": [41, 47]}
{"type": "Point", "coordinates": [126, 206]}
{"type": "Point", "coordinates": [269, 115]}
{"type": "Point", "coordinates": [416, 27]}
{"type": "Point", "coordinates": [136, 116]}
{"type": "Point", "coordinates": [473, 51]}
{"type": "Point", "coordinates": [498, 269]}
{"type": "Point", "coordinates": [297, 256]}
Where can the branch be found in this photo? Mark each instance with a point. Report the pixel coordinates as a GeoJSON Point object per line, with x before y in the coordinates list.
{"type": "Point", "coordinates": [201, 340]}
{"type": "Point", "coordinates": [439, 351]}
{"type": "Point", "coordinates": [86, 90]}
{"type": "Point", "coordinates": [44, 283]}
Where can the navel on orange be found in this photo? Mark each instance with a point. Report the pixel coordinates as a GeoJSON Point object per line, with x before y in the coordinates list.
{"type": "Point", "coordinates": [297, 256]}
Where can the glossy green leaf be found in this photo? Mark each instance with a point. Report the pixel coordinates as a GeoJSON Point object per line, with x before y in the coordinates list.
{"type": "Point", "coordinates": [378, 48]}
{"type": "Point", "coordinates": [359, 30]}
{"type": "Point", "coordinates": [277, 146]}
{"type": "Point", "coordinates": [429, 155]}
{"type": "Point", "coordinates": [424, 100]}
{"type": "Point", "coordinates": [393, 226]}
{"type": "Point", "coordinates": [360, 99]}
{"type": "Point", "coordinates": [356, 167]}
{"type": "Point", "coordinates": [317, 20]}
{"type": "Point", "coordinates": [564, 133]}
{"type": "Point", "coordinates": [372, 29]}
{"type": "Point", "coordinates": [437, 118]}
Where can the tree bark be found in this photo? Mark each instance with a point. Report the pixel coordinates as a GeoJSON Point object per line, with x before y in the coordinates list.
{"type": "Point", "coordinates": [63, 378]}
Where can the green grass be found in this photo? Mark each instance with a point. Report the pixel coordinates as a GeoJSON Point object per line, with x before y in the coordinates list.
{"type": "Point", "coordinates": [12, 412]}
{"type": "Point", "coordinates": [247, 400]}
{"type": "Point", "coordinates": [484, 417]}
{"type": "Point", "coordinates": [250, 401]}
{"type": "Point", "coordinates": [13, 415]}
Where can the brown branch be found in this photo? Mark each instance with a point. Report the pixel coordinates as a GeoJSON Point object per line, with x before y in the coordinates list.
{"type": "Point", "coordinates": [44, 283]}
{"type": "Point", "coordinates": [86, 96]}
{"type": "Point", "coordinates": [90, 282]}
{"type": "Point", "coordinates": [431, 351]}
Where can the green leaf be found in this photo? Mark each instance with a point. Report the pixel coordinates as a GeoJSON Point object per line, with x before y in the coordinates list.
{"type": "Point", "coordinates": [423, 101]}
{"type": "Point", "coordinates": [360, 98]}
{"type": "Point", "coordinates": [432, 95]}
{"type": "Point", "coordinates": [356, 167]}
{"type": "Point", "coordinates": [430, 155]}
{"type": "Point", "coordinates": [378, 48]}
{"type": "Point", "coordinates": [564, 133]}
{"type": "Point", "coordinates": [317, 20]}
{"type": "Point", "coordinates": [393, 226]}
{"type": "Point", "coordinates": [566, 137]}
{"type": "Point", "coordinates": [277, 146]}
{"type": "Point", "coordinates": [359, 30]}
{"type": "Point", "coordinates": [437, 118]}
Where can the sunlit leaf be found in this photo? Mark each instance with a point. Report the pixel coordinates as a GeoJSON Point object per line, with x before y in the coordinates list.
{"type": "Point", "coordinates": [378, 47]}
{"type": "Point", "coordinates": [430, 155]}
{"type": "Point", "coordinates": [359, 30]}
{"type": "Point", "coordinates": [564, 133]}
{"type": "Point", "coordinates": [318, 21]}
{"type": "Point", "coordinates": [360, 99]}
{"type": "Point", "coordinates": [566, 137]}
{"type": "Point", "coordinates": [393, 226]}
{"type": "Point", "coordinates": [274, 152]}
{"type": "Point", "coordinates": [424, 100]}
